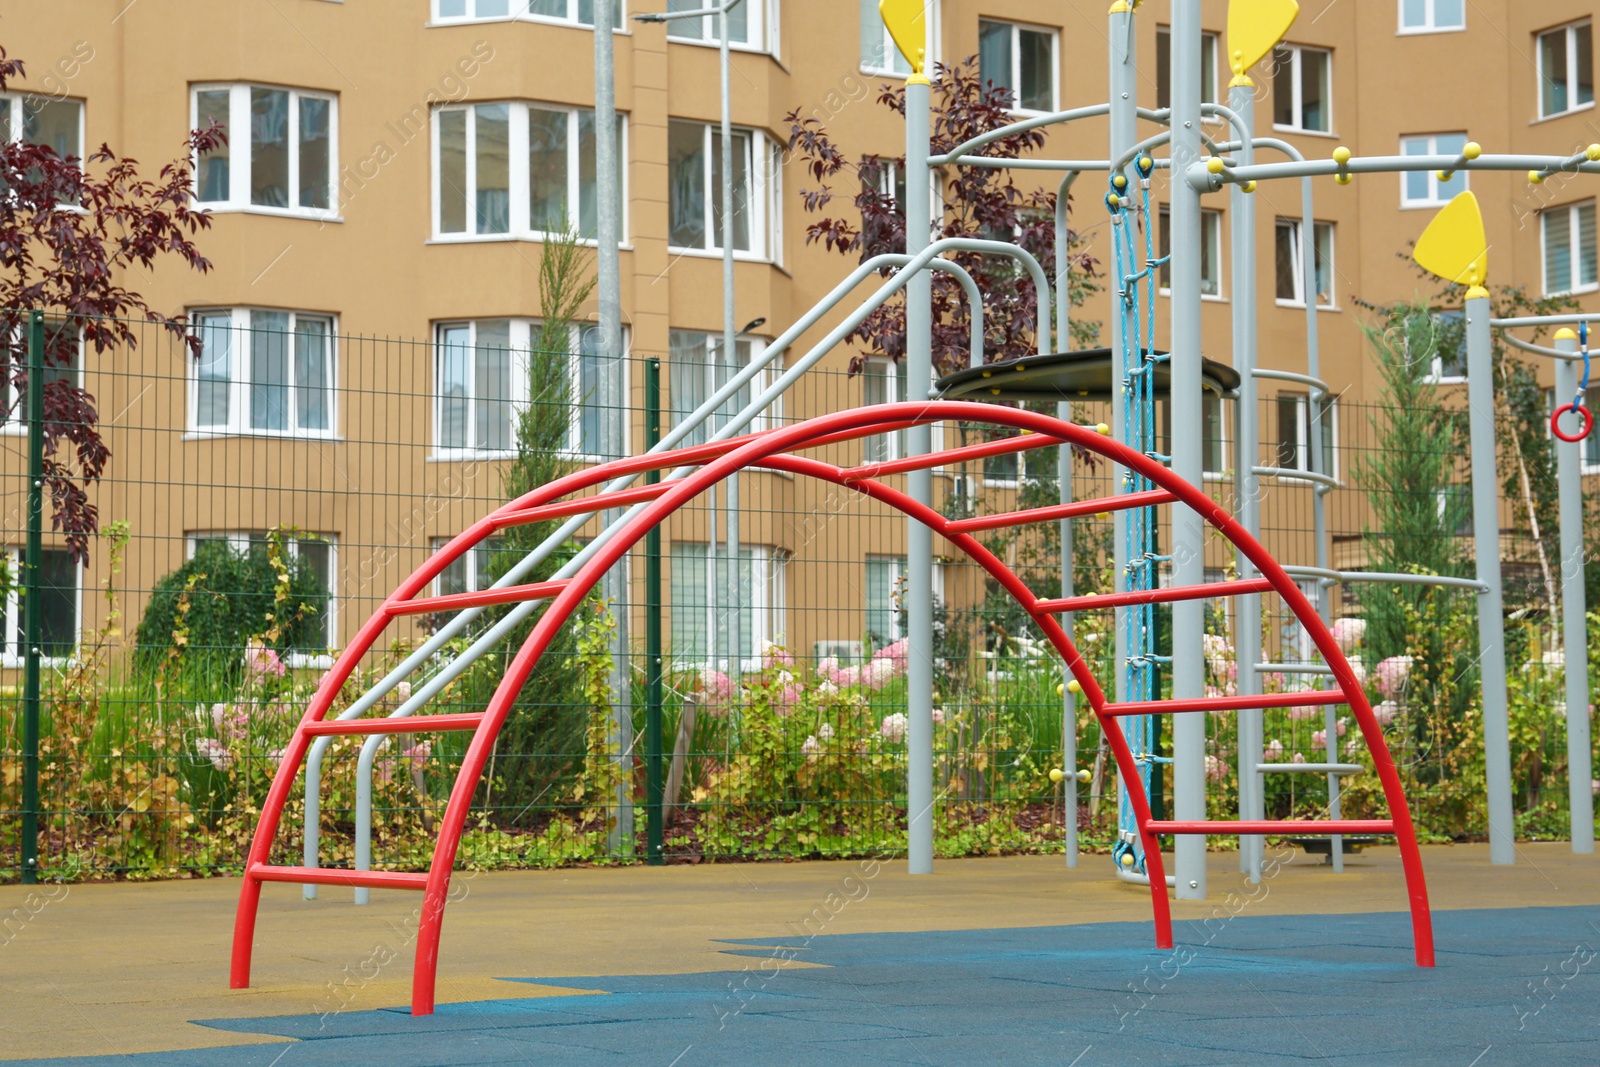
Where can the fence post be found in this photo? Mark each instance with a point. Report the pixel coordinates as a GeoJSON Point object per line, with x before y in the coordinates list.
{"type": "Point", "coordinates": [652, 627]}
{"type": "Point", "coordinates": [30, 601]}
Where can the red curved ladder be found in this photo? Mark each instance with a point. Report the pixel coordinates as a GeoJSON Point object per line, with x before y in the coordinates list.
{"type": "Point", "coordinates": [774, 450]}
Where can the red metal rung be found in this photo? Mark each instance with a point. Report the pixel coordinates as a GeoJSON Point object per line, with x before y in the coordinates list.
{"type": "Point", "coordinates": [510, 594]}
{"type": "Point", "coordinates": [1145, 498]}
{"type": "Point", "coordinates": [410, 724]}
{"type": "Point", "coordinates": [339, 876]}
{"type": "Point", "coordinates": [1021, 443]}
{"type": "Point", "coordinates": [1265, 700]}
{"type": "Point", "coordinates": [1311, 827]}
{"type": "Point", "coordinates": [620, 498]}
{"type": "Point", "coordinates": [1156, 596]}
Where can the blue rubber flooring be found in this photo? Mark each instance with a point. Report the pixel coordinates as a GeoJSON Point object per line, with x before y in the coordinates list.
{"type": "Point", "coordinates": [1515, 986]}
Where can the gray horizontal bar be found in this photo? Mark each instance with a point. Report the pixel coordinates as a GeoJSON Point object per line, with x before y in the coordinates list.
{"type": "Point", "coordinates": [1290, 472]}
{"type": "Point", "coordinates": [1414, 579]}
{"type": "Point", "coordinates": [1314, 768]}
{"type": "Point", "coordinates": [1291, 376]}
{"type": "Point", "coordinates": [1294, 668]}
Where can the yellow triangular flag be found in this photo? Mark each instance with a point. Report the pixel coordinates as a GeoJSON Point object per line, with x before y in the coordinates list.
{"type": "Point", "coordinates": [1254, 26]}
{"type": "Point", "coordinates": [907, 21]}
{"type": "Point", "coordinates": [1454, 245]}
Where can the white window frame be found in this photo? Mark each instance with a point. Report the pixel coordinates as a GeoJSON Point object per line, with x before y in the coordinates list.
{"type": "Point", "coordinates": [1210, 88]}
{"type": "Point", "coordinates": [771, 417]}
{"type": "Point", "coordinates": [763, 620]}
{"type": "Point", "coordinates": [238, 424]}
{"type": "Point", "coordinates": [1570, 30]}
{"type": "Point", "coordinates": [1225, 442]}
{"type": "Point", "coordinates": [764, 197]}
{"type": "Point", "coordinates": [1302, 405]}
{"type": "Point", "coordinates": [762, 23]}
{"type": "Point", "coordinates": [476, 579]}
{"type": "Point", "coordinates": [1016, 64]}
{"type": "Point", "coordinates": [897, 575]}
{"type": "Point", "coordinates": [1430, 23]}
{"type": "Point", "coordinates": [884, 447]}
{"type": "Point", "coordinates": [1210, 218]}
{"type": "Point", "coordinates": [891, 69]}
{"type": "Point", "coordinates": [523, 332]}
{"type": "Point", "coordinates": [12, 656]}
{"type": "Point", "coordinates": [1319, 226]}
{"type": "Point", "coordinates": [1574, 247]}
{"type": "Point", "coordinates": [240, 541]}
{"type": "Point", "coordinates": [520, 222]}
{"type": "Point", "coordinates": [240, 149]}
{"type": "Point", "coordinates": [13, 406]}
{"type": "Point", "coordinates": [524, 15]}
{"type": "Point", "coordinates": [1297, 53]}
{"type": "Point", "coordinates": [1428, 143]}
{"type": "Point", "coordinates": [15, 103]}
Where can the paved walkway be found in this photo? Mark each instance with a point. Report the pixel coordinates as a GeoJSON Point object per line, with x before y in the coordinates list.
{"type": "Point", "coordinates": [1012, 960]}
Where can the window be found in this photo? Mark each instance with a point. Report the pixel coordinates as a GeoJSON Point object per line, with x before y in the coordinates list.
{"type": "Point", "coordinates": [482, 375]}
{"type": "Point", "coordinates": [287, 162]}
{"type": "Point", "coordinates": [883, 381]}
{"type": "Point", "coordinates": [263, 372]}
{"type": "Point", "coordinates": [1291, 263]}
{"type": "Point", "coordinates": [576, 12]}
{"type": "Point", "coordinates": [694, 173]}
{"type": "Point", "coordinates": [63, 362]}
{"type": "Point", "coordinates": [1021, 59]}
{"type": "Point", "coordinates": [1423, 188]}
{"type": "Point", "coordinates": [878, 52]}
{"type": "Point", "coordinates": [476, 569]}
{"type": "Point", "coordinates": [318, 553]}
{"type": "Point", "coordinates": [516, 169]}
{"type": "Point", "coordinates": [1302, 88]}
{"type": "Point", "coordinates": [1432, 16]}
{"type": "Point", "coordinates": [41, 120]}
{"type": "Point", "coordinates": [1450, 352]}
{"type": "Point", "coordinates": [1208, 67]}
{"type": "Point", "coordinates": [746, 24]}
{"type": "Point", "coordinates": [885, 588]}
{"type": "Point", "coordinates": [1566, 69]}
{"type": "Point", "coordinates": [696, 358]}
{"type": "Point", "coordinates": [761, 599]}
{"type": "Point", "coordinates": [1210, 251]}
{"type": "Point", "coordinates": [1213, 435]}
{"type": "Point", "coordinates": [1038, 464]}
{"type": "Point", "coordinates": [1569, 248]}
{"type": "Point", "coordinates": [58, 608]}
{"type": "Point", "coordinates": [1294, 449]}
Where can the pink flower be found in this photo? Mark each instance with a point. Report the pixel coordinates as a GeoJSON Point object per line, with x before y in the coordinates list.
{"type": "Point", "coordinates": [879, 673]}
{"type": "Point", "coordinates": [1349, 632]}
{"type": "Point", "coordinates": [1216, 770]}
{"type": "Point", "coordinates": [938, 716]}
{"type": "Point", "coordinates": [786, 699]}
{"type": "Point", "coordinates": [895, 652]}
{"type": "Point", "coordinates": [209, 748]}
{"type": "Point", "coordinates": [713, 690]}
{"type": "Point", "coordinates": [1320, 737]}
{"type": "Point", "coordinates": [276, 755]}
{"type": "Point", "coordinates": [1299, 757]}
{"type": "Point", "coordinates": [828, 666]}
{"type": "Point", "coordinates": [1386, 712]}
{"type": "Point", "coordinates": [775, 656]}
{"type": "Point", "coordinates": [1302, 713]}
{"type": "Point", "coordinates": [825, 731]}
{"type": "Point", "coordinates": [418, 754]}
{"type": "Point", "coordinates": [263, 661]}
{"type": "Point", "coordinates": [1342, 725]}
{"type": "Point", "coordinates": [402, 692]}
{"type": "Point", "coordinates": [893, 728]}
{"type": "Point", "coordinates": [1391, 674]}
{"type": "Point", "coordinates": [1353, 747]}
{"type": "Point", "coordinates": [845, 677]}
{"type": "Point", "coordinates": [811, 747]}
{"type": "Point", "coordinates": [1273, 749]}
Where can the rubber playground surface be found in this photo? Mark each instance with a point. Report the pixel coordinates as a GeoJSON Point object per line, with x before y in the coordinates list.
{"type": "Point", "coordinates": [1007, 960]}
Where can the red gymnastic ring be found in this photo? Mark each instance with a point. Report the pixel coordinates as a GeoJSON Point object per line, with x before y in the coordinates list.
{"type": "Point", "coordinates": [1584, 414]}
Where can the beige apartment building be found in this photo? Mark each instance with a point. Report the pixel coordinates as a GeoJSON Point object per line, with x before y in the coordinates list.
{"type": "Point", "coordinates": [393, 167]}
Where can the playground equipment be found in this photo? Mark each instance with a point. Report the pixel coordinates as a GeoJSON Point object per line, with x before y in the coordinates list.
{"type": "Point", "coordinates": [1455, 248]}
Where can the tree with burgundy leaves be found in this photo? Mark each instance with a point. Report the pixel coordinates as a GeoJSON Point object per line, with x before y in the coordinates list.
{"type": "Point", "coordinates": [67, 240]}
{"type": "Point", "coordinates": [978, 202]}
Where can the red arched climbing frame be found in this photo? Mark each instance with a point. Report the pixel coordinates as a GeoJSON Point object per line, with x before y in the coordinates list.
{"type": "Point", "coordinates": [774, 450]}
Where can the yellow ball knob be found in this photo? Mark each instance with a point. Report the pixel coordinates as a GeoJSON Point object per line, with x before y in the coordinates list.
{"type": "Point", "coordinates": [1084, 775]}
{"type": "Point", "coordinates": [1073, 686]}
{"type": "Point", "coordinates": [1341, 155]}
{"type": "Point", "coordinates": [1342, 179]}
{"type": "Point", "coordinates": [1120, 181]}
{"type": "Point", "coordinates": [1127, 859]}
{"type": "Point", "coordinates": [1535, 177]}
{"type": "Point", "coordinates": [1472, 150]}
{"type": "Point", "coordinates": [1215, 165]}
{"type": "Point", "coordinates": [1442, 175]}
{"type": "Point", "coordinates": [1061, 690]}
{"type": "Point", "coordinates": [1566, 333]}
{"type": "Point", "coordinates": [1102, 515]}
{"type": "Point", "coordinates": [1056, 774]}
{"type": "Point", "coordinates": [1102, 429]}
{"type": "Point", "coordinates": [1249, 186]}
{"type": "Point", "coordinates": [1592, 153]}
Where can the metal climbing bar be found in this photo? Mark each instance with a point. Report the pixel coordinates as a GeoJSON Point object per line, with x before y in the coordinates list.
{"type": "Point", "coordinates": [1233, 703]}
{"type": "Point", "coordinates": [1140, 597]}
{"type": "Point", "coordinates": [411, 724]}
{"type": "Point", "coordinates": [983, 450]}
{"type": "Point", "coordinates": [1101, 506]}
{"type": "Point", "coordinates": [339, 876]}
{"type": "Point", "coordinates": [510, 594]}
{"type": "Point", "coordinates": [582, 506]}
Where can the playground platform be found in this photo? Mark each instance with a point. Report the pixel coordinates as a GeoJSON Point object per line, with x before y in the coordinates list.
{"type": "Point", "coordinates": [1004, 960]}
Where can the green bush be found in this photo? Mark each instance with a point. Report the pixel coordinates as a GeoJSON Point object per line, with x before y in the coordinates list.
{"type": "Point", "coordinates": [231, 600]}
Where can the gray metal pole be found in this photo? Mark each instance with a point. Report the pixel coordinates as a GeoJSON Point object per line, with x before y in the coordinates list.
{"type": "Point", "coordinates": [1574, 632]}
{"type": "Point", "coordinates": [1069, 699]}
{"type": "Point", "coordinates": [734, 605]}
{"type": "Point", "coordinates": [613, 399]}
{"type": "Point", "coordinates": [919, 539]}
{"type": "Point", "coordinates": [1188, 533]}
{"type": "Point", "coordinates": [1486, 540]}
{"type": "Point", "coordinates": [1124, 85]}
{"type": "Point", "coordinates": [1247, 485]}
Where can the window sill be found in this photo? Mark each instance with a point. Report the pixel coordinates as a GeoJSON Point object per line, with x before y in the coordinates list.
{"type": "Point", "coordinates": [1580, 109]}
{"type": "Point", "coordinates": [17, 663]}
{"type": "Point", "coordinates": [1428, 31]}
{"type": "Point", "coordinates": [873, 72]}
{"type": "Point", "coordinates": [262, 435]}
{"type": "Point", "coordinates": [1304, 132]}
{"type": "Point", "coordinates": [306, 215]}
{"type": "Point", "coordinates": [531, 237]}
{"type": "Point", "coordinates": [733, 46]}
{"type": "Point", "coordinates": [541, 20]}
{"type": "Point", "coordinates": [1577, 290]}
{"type": "Point", "coordinates": [1208, 298]}
{"type": "Point", "coordinates": [1300, 305]}
{"type": "Point", "coordinates": [1422, 205]}
{"type": "Point", "coordinates": [716, 253]}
